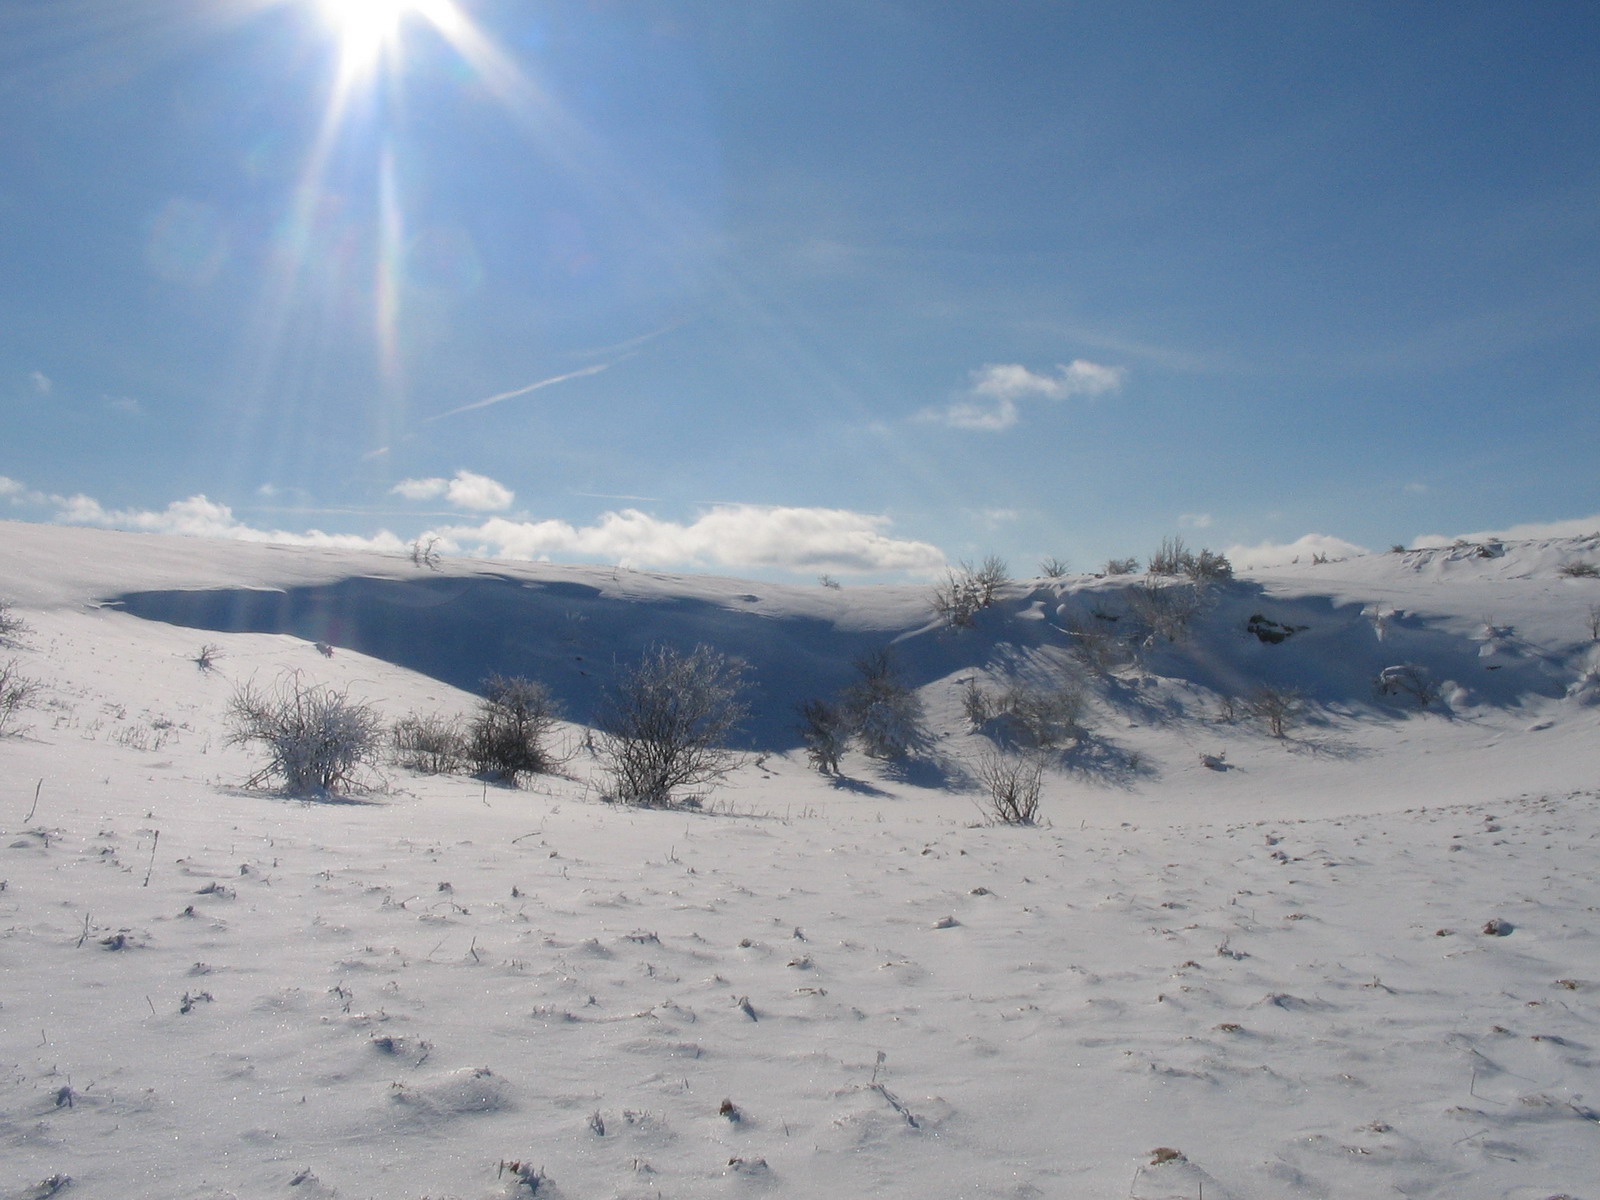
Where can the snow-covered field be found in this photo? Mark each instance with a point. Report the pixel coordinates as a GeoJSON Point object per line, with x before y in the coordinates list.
{"type": "Point", "coordinates": [1359, 961]}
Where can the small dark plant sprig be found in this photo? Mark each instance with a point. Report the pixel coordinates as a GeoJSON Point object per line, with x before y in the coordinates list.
{"type": "Point", "coordinates": [12, 627]}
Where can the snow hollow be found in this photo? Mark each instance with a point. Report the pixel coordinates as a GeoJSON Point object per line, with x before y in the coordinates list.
{"type": "Point", "coordinates": [1350, 953]}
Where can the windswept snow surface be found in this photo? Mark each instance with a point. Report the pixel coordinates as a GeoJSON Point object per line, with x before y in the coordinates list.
{"type": "Point", "coordinates": [1354, 962]}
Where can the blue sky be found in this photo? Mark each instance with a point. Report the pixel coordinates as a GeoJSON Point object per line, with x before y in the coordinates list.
{"type": "Point", "coordinates": [781, 288]}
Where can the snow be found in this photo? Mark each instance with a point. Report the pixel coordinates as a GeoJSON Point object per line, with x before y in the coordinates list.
{"type": "Point", "coordinates": [1358, 961]}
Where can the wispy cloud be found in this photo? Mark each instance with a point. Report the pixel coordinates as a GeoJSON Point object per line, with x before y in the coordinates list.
{"type": "Point", "coordinates": [42, 383]}
{"type": "Point", "coordinates": [126, 405]}
{"type": "Point", "coordinates": [1531, 531]}
{"type": "Point", "coordinates": [466, 490]}
{"type": "Point", "coordinates": [1195, 520]}
{"type": "Point", "coordinates": [992, 402]}
{"type": "Point", "coordinates": [1302, 549]}
{"type": "Point", "coordinates": [501, 397]}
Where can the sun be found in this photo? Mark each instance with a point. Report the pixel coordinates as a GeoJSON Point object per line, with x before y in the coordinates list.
{"type": "Point", "coordinates": [366, 27]}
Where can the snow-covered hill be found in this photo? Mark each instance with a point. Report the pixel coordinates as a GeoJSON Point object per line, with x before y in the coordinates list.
{"type": "Point", "coordinates": [1279, 969]}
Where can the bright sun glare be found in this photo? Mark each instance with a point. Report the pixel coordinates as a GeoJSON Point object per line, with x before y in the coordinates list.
{"type": "Point", "coordinates": [366, 26]}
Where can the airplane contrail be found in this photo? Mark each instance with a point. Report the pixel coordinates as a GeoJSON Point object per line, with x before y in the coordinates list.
{"type": "Point", "coordinates": [523, 391]}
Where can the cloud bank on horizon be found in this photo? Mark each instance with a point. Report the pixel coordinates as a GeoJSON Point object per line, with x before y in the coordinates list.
{"type": "Point", "coordinates": [725, 536]}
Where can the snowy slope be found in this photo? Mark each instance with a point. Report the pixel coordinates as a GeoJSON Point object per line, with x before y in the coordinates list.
{"type": "Point", "coordinates": [1279, 970]}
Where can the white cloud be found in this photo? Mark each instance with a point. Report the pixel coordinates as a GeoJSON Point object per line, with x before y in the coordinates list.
{"type": "Point", "coordinates": [997, 387]}
{"type": "Point", "coordinates": [1274, 554]}
{"type": "Point", "coordinates": [1077, 378]}
{"type": "Point", "coordinates": [466, 490]}
{"type": "Point", "coordinates": [41, 383]}
{"type": "Point", "coordinates": [991, 418]}
{"type": "Point", "coordinates": [1531, 531]}
{"type": "Point", "coordinates": [731, 536]}
{"type": "Point", "coordinates": [1195, 520]}
{"type": "Point", "coordinates": [18, 492]}
{"type": "Point", "coordinates": [728, 536]}
{"type": "Point", "coordinates": [124, 404]}
{"type": "Point", "coordinates": [1416, 489]}
{"type": "Point", "coordinates": [420, 489]}
{"type": "Point", "coordinates": [478, 492]}
{"type": "Point", "coordinates": [199, 516]}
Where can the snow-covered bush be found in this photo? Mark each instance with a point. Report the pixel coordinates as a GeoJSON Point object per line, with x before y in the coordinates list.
{"type": "Point", "coordinates": [1011, 784]}
{"type": "Point", "coordinates": [432, 743]}
{"type": "Point", "coordinates": [17, 691]}
{"type": "Point", "coordinates": [316, 737]}
{"type": "Point", "coordinates": [884, 713]}
{"type": "Point", "coordinates": [507, 736]}
{"type": "Point", "coordinates": [1409, 681]}
{"type": "Point", "coordinates": [664, 724]}
{"type": "Point", "coordinates": [1120, 566]}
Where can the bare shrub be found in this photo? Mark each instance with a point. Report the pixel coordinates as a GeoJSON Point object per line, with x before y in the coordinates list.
{"type": "Point", "coordinates": [955, 600]}
{"type": "Point", "coordinates": [1095, 644]}
{"type": "Point", "coordinates": [664, 723]}
{"type": "Point", "coordinates": [828, 581]}
{"type": "Point", "coordinates": [1120, 566]}
{"type": "Point", "coordinates": [1039, 715]}
{"type": "Point", "coordinates": [316, 737]}
{"type": "Point", "coordinates": [432, 743]}
{"type": "Point", "coordinates": [1172, 557]}
{"type": "Point", "coordinates": [1053, 567]}
{"type": "Point", "coordinates": [1279, 708]}
{"type": "Point", "coordinates": [17, 692]}
{"type": "Point", "coordinates": [206, 657]}
{"type": "Point", "coordinates": [1208, 567]}
{"type": "Point", "coordinates": [1578, 570]}
{"type": "Point", "coordinates": [1594, 622]}
{"type": "Point", "coordinates": [1012, 784]}
{"type": "Point", "coordinates": [1045, 716]}
{"type": "Point", "coordinates": [977, 703]}
{"type": "Point", "coordinates": [884, 713]}
{"type": "Point", "coordinates": [12, 627]}
{"type": "Point", "coordinates": [1175, 558]}
{"type": "Point", "coordinates": [425, 551]}
{"type": "Point", "coordinates": [967, 590]}
{"type": "Point", "coordinates": [825, 729]}
{"type": "Point", "coordinates": [1163, 613]}
{"type": "Point", "coordinates": [507, 736]}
